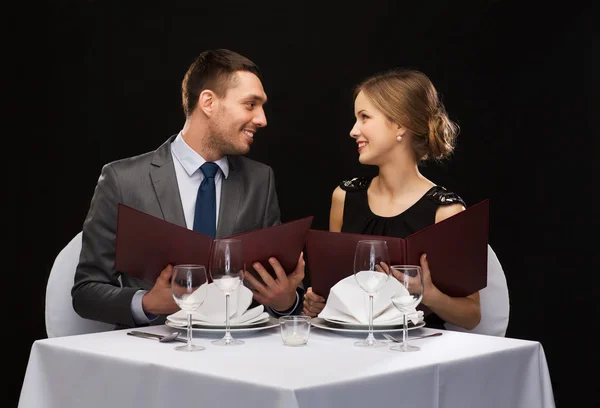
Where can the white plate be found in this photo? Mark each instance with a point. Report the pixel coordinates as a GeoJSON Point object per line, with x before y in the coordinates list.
{"type": "Point", "coordinates": [219, 326]}
{"type": "Point", "coordinates": [394, 323]}
{"type": "Point", "coordinates": [216, 326]}
{"type": "Point", "coordinates": [268, 324]}
{"type": "Point", "coordinates": [251, 322]}
{"type": "Point", "coordinates": [361, 328]}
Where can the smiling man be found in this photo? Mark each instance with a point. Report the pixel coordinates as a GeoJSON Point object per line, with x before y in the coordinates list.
{"type": "Point", "coordinates": [198, 179]}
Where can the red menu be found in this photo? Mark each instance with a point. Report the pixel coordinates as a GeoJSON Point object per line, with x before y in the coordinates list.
{"type": "Point", "coordinates": [146, 244]}
{"type": "Point", "coordinates": [456, 251]}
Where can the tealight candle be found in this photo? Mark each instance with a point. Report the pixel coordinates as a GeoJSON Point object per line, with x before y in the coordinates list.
{"type": "Point", "coordinates": [294, 330]}
{"type": "Point", "coordinates": [295, 339]}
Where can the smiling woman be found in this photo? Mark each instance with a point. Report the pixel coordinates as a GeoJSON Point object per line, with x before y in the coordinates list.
{"type": "Point", "coordinates": [400, 122]}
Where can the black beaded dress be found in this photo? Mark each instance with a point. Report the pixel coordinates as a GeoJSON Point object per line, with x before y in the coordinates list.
{"type": "Point", "coordinates": [359, 219]}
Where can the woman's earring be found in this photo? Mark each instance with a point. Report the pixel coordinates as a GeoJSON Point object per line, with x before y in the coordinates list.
{"type": "Point", "coordinates": [399, 139]}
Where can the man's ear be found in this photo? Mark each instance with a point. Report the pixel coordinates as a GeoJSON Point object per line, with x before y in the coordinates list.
{"type": "Point", "coordinates": [207, 101]}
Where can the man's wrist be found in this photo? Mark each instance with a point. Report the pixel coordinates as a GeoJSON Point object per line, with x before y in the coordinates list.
{"type": "Point", "coordinates": [140, 317]}
{"type": "Point", "coordinates": [282, 308]}
{"type": "Point", "coordinates": [147, 303]}
{"type": "Point", "coordinates": [290, 309]}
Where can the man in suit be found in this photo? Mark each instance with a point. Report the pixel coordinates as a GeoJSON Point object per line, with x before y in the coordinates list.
{"type": "Point", "coordinates": [223, 100]}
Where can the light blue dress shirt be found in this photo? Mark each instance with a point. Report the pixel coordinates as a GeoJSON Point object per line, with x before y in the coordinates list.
{"type": "Point", "coordinates": [189, 176]}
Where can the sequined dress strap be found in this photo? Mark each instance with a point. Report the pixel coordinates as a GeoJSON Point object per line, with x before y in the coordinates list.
{"type": "Point", "coordinates": [441, 196]}
{"type": "Point", "coordinates": [356, 183]}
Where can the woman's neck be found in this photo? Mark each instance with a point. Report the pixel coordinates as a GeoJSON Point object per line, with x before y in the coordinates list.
{"type": "Point", "coordinates": [397, 181]}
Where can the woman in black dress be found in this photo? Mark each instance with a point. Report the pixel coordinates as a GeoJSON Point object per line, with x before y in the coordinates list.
{"type": "Point", "coordinates": [400, 121]}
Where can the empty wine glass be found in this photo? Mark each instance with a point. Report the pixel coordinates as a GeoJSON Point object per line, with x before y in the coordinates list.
{"type": "Point", "coordinates": [411, 277]}
{"type": "Point", "coordinates": [227, 272]}
{"type": "Point", "coordinates": [188, 286]}
{"type": "Point", "coordinates": [371, 270]}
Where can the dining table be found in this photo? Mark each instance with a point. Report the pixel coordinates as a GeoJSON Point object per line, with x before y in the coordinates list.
{"type": "Point", "coordinates": [111, 369]}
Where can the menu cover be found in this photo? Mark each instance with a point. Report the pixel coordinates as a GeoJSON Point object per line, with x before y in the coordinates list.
{"type": "Point", "coordinates": [147, 244]}
{"type": "Point", "coordinates": [456, 251]}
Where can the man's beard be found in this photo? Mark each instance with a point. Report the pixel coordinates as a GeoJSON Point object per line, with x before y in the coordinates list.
{"type": "Point", "coordinates": [222, 141]}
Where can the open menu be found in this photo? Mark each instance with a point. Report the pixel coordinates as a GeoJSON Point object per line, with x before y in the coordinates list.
{"type": "Point", "coordinates": [456, 251]}
{"type": "Point", "coordinates": [146, 244]}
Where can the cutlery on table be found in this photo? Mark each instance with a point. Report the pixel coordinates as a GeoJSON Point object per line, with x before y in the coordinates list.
{"type": "Point", "coordinates": [391, 338]}
{"type": "Point", "coordinates": [161, 338]}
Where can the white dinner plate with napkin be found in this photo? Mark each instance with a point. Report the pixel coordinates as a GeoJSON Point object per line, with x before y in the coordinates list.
{"type": "Point", "coordinates": [348, 304]}
{"type": "Point", "coordinates": [212, 311]}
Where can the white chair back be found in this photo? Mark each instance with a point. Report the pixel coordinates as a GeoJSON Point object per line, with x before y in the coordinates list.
{"type": "Point", "coordinates": [61, 319]}
{"type": "Point", "coordinates": [495, 303]}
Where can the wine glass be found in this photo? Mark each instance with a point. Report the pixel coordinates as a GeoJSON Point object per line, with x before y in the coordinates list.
{"type": "Point", "coordinates": [227, 272]}
{"type": "Point", "coordinates": [371, 270]}
{"type": "Point", "coordinates": [188, 286]}
{"type": "Point", "coordinates": [411, 277]}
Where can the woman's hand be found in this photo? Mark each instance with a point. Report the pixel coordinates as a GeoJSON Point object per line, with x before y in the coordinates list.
{"type": "Point", "coordinates": [313, 303]}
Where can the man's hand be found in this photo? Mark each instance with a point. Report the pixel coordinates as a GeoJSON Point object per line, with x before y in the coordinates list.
{"type": "Point", "coordinates": [279, 293]}
{"type": "Point", "coordinates": [159, 300]}
{"type": "Point", "coordinates": [313, 303]}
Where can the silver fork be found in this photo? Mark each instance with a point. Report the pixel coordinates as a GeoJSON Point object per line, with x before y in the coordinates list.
{"type": "Point", "coordinates": [391, 338]}
{"type": "Point", "coordinates": [163, 339]}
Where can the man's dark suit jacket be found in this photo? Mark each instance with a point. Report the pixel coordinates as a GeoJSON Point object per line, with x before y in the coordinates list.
{"type": "Point", "coordinates": [148, 183]}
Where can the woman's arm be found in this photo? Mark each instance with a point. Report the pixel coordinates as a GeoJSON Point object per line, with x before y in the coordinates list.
{"type": "Point", "coordinates": [460, 311]}
{"type": "Point", "coordinates": [336, 213]}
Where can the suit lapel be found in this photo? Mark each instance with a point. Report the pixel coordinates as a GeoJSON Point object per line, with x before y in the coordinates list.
{"type": "Point", "coordinates": [164, 180]}
{"type": "Point", "coordinates": [231, 191]}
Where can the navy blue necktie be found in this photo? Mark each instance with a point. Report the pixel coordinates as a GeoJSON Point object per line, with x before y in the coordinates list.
{"type": "Point", "coordinates": [205, 215]}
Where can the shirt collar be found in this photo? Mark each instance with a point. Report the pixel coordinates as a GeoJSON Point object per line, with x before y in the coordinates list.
{"type": "Point", "coordinates": [190, 160]}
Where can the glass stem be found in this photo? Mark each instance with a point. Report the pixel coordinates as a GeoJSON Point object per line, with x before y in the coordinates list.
{"type": "Point", "coordinates": [371, 337]}
{"type": "Point", "coordinates": [404, 330]}
{"type": "Point", "coordinates": [227, 334]}
{"type": "Point", "coordinates": [189, 330]}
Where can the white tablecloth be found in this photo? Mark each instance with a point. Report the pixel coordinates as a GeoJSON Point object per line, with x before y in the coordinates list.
{"type": "Point", "coordinates": [112, 369]}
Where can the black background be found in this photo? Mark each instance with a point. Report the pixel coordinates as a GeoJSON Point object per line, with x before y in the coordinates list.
{"type": "Point", "coordinates": [89, 82]}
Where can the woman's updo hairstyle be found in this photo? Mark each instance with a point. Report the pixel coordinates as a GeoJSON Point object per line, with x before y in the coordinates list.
{"type": "Point", "coordinates": [408, 98]}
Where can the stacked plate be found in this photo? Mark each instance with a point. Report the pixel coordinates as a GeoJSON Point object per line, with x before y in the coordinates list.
{"type": "Point", "coordinates": [356, 327]}
{"type": "Point", "coordinates": [252, 319]}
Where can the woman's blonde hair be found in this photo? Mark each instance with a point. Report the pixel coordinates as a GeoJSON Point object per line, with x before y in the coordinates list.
{"type": "Point", "coordinates": [408, 98]}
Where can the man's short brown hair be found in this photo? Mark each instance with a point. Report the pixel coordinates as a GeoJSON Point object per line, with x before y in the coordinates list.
{"type": "Point", "coordinates": [214, 70]}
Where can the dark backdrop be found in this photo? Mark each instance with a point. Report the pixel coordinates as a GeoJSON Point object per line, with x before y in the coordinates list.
{"type": "Point", "coordinates": [100, 81]}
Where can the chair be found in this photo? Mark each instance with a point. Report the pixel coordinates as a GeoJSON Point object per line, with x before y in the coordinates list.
{"type": "Point", "coordinates": [495, 303]}
{"type": "Point", "coordinates": [61, 319]}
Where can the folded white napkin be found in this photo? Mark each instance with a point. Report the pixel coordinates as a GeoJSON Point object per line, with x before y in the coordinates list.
{"type": "Point", "coordinates": [349, 303]}
{"type": "Point", "coordinates": [212, 310]}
